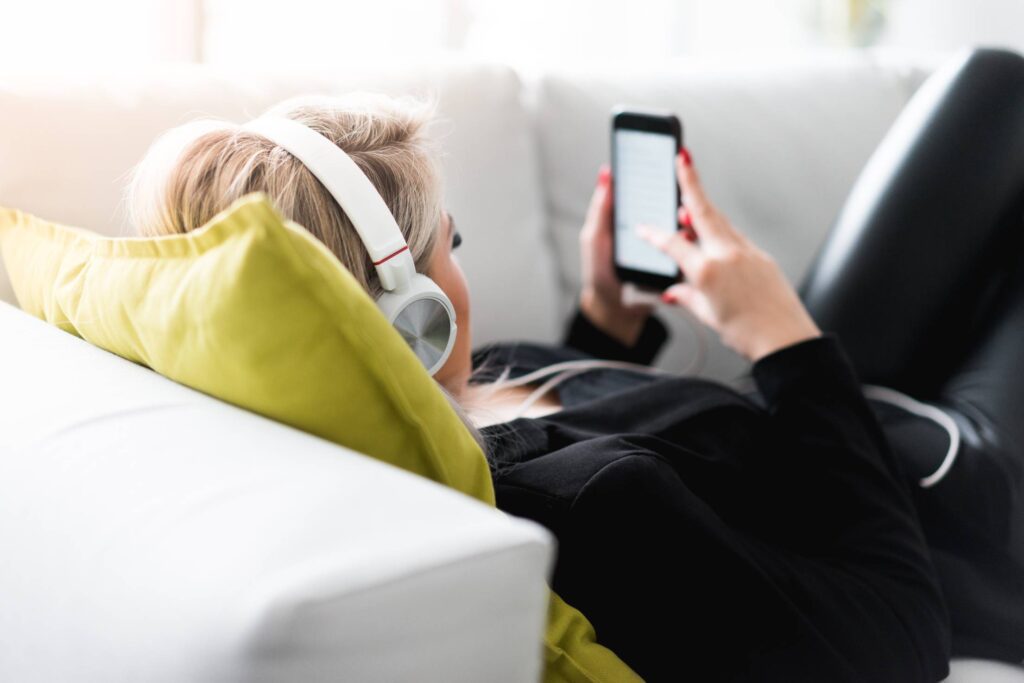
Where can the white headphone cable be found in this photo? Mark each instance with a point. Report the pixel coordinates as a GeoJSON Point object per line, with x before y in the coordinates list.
{"type": "Point", "coordinates": [936, 415]}
{"type": "Point", "coordinates": [583, 365]}
{"type": "Point", "coordinates": [543, 389]}
{"type": "Point", "coordinates": [567, 369]}
{"type": "Point", "coordinates": [572, 368]}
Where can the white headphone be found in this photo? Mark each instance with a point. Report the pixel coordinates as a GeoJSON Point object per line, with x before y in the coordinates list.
{"type": "Point", "coordinates": [412, 302]}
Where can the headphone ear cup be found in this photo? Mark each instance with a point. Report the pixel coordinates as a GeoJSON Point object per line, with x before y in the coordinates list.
{"type": "Point", "coordinates": [424, 316]}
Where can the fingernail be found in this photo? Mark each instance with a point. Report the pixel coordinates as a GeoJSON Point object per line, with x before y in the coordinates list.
{"type": "Point", "coordinates": [604, 175]}
{"type": "Point", "coordinates": [684, 218]}
{"type": "Point", "coordinates": [668, 297]}
{"type": "Point", "coordinates": [689, 233]}
{"type": "Point", "coordinates": [685, 153]}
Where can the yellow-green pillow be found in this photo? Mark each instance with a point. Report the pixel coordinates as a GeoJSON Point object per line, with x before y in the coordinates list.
{"type": "Point", "coordinates": [252, 309]}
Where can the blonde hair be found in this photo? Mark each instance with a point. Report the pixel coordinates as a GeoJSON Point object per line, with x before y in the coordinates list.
{"type": "Point", "coordinates": [198, 169]}
{"type": "Point", "coordinates": [194, 171]}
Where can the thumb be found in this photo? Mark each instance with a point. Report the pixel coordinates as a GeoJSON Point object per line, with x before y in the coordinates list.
{"type": "Point", "coordinates": [600, 201]}
{"type": "Point", "coordinates": [604, 202]}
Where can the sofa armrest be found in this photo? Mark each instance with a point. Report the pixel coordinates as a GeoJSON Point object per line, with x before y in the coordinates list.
{"type": "Point", "coordinates": [154, 533]}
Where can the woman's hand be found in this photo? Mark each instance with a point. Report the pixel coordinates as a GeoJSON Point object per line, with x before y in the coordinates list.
{"type": "Point", "coordinates": [730, 284]}
{"type": "Point", "coordinates": [601, 294]}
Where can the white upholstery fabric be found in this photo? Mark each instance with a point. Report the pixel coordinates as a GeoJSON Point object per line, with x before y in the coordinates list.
{"type": "Point", "coordinates": [983, 671]}
{"type": "Point", "coordinates": [151, 533]}
{"type": "Point", "coordinates": [779, 146]}
{"type": "Point", "coordinates": [68, 143]}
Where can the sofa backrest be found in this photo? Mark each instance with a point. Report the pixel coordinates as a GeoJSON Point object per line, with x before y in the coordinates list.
{"type": "Point", "coordinates": [67, 143]}
{"type": "Point", "coordinates": [152, 533]}
{"type": "Point", "coordinates": [778, 145]}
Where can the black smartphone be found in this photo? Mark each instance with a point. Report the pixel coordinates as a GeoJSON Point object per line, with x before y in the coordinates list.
{"type": "Point", "coordinates": [644, 190]}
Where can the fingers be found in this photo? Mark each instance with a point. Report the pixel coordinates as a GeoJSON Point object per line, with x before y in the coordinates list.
{"type": "Point", "coordinates": [694, 198]}
{"type": "Point", "coordinates": [678, 294]}
{"type": "Point", "coordinates": [684, 253]}
{"type": "Point", "coordinates": [687, 223]}
{"type": "Point", "coordinates": [689, 297]}
{"type": "Point", "coordinates": [701, 212]}
{"type": "Point", "coordinates": [599, 210]}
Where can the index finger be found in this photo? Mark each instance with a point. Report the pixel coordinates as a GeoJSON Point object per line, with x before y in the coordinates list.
{"type": "Point", "coordinates": [687, 255]}
{"type": "Point", "coordinates": [702, 211]}
{"type": "Point", "coordinates": [599, 200]}
{"type": "Point", "coordinates": [694, 198]}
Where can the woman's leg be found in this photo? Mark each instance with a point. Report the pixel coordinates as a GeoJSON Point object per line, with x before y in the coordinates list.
{"type": "Point", "coordinates": [937, 209]}
{"type": "Point", "coordinates": [922, 277]}
{"type": "Point", "coordinates": [974, 517]}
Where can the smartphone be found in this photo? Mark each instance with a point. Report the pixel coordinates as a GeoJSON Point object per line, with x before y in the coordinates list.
{"type": "Point", "coordinates": [644, 190]}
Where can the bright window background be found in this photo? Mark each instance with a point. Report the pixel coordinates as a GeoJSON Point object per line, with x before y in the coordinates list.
{"type": "Point", "coordinates": [85, 33]}
{"type": "Point", "coordinates": [525, 33]}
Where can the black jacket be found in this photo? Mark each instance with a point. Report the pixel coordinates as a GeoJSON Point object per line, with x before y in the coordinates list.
{"type": "Point", "coordinates": [710, 535]}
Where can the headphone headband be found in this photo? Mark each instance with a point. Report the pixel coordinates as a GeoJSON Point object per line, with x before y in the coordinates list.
{"type": "Point", "coordinates": [413, 303]}
{"type": "Point", "coordinates": [353, 191]}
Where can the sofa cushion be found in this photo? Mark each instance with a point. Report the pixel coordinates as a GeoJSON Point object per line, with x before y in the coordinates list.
{"type": "Point", "coordinates": [254, 310]}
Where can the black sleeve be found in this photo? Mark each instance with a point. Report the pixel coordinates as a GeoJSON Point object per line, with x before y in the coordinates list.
{"type": "Point", "coordinates": [838, 498]}
{"type": "Point", "coordinates": [585, 336]}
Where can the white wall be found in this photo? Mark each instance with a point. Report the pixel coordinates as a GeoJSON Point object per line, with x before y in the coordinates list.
{"type": "Point", "coordinates": [949, 24]}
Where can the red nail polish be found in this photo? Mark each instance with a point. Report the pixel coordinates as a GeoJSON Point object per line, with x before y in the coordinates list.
{"type": "Point", "coordinates": [668, 298]}
{"type": "Point", "coordinates": [685, 153]}
{"type": "Point", "coordinates": [604, 175]}
{"type": "Point", "coordinates": [684, 219]}
{"type": "Point", "coordinates": [689, 233]}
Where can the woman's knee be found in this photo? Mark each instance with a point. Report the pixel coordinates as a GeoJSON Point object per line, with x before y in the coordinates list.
{"type": "Point", "coordinates": [984, 86]}
{"type": "Point", "coordinates": [999, 65]}
{"type": "Point", "coordinates": [984, 89]}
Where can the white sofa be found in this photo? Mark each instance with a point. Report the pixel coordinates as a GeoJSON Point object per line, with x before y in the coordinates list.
{"type": "Point", "coordinates": [152, 533]}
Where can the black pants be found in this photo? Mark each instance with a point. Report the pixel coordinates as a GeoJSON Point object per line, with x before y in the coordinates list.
{"type": "Point", "coordinates": [922, 277]}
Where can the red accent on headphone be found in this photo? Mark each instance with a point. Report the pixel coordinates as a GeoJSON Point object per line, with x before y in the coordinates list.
{"type": "Point", "coordinates": [377, 263]}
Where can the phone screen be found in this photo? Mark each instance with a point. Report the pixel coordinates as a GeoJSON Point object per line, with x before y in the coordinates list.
{"type": "Point", "coordinates": [645, 192]}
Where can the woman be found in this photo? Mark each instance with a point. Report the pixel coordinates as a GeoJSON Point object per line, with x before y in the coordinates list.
{"type": "Point", "coordinates": [775, 534]}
